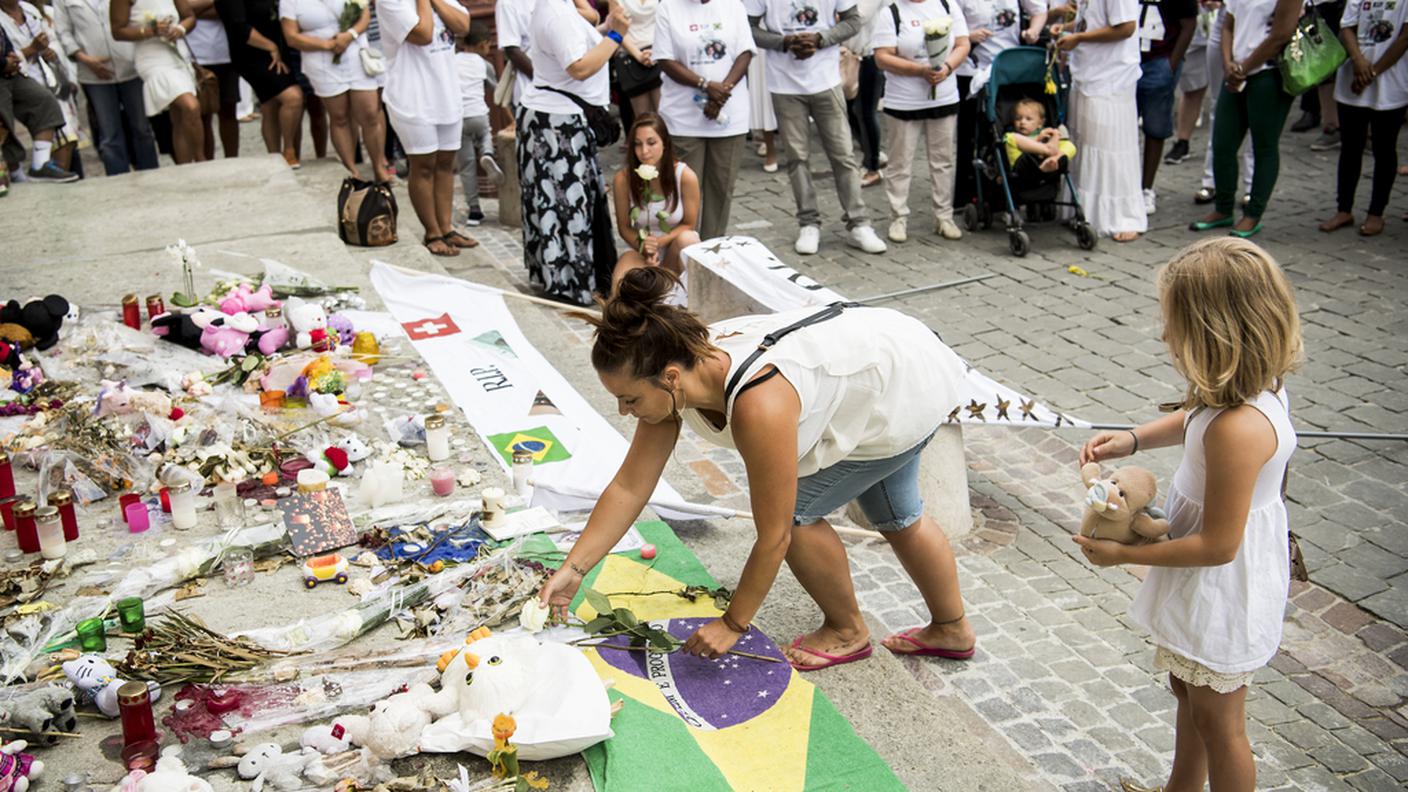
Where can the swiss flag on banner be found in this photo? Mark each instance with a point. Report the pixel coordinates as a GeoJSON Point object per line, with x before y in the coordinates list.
{"type": "Point", "coordinates": [435, 327]}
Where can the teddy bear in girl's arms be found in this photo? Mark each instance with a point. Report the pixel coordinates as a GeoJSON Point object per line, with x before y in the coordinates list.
{"type": "Point", "coordinates": [1119, 507]}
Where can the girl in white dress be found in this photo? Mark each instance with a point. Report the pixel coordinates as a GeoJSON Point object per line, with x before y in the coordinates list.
{"type": "Point", "coordinates": [1215, 594]}
{"type": "Point", "coordinates": [159, 28]}
{"type": "Point", "coordinates": [657, 218]}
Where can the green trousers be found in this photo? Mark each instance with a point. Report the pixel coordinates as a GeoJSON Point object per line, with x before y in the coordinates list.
{"type": "Point", "coordinates": [1261, 108]}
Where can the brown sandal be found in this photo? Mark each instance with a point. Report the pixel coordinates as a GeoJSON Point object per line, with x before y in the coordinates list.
{"type": "Point", "coordinates": [439, 247]}
{"type": "Point", "coordinates": [1337, 222]}
{"type": "Point", "coordinates": [460, 240]}
{"type": "Point", "coordinates": [1366, 230]}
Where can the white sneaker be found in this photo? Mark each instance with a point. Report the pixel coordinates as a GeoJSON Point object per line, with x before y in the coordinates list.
{"type": "Point", "coordinates": [898, 231]}
{"type": "Point", "coordinates": [947, 229]}
{"type": "Point", "coordinates": [865, 238]}
{"type": "Point", "coordinates": [884, 159]}
{"type": "Point", "coordinates": [808, 240]}
{"type": "Point", "coordinates": [492, 169]}
{"type": "Point", "coordinates": [1150, 202]}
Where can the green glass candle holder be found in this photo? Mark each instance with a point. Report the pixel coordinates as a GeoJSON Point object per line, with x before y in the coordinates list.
{"type": "Point", "coordinates": [92, 635]}
{"type": "Point", "coordinates": [131, 615]}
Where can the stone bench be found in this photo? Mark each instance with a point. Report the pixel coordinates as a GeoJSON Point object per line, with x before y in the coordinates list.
{"type": "Point", "coordinates": [738, 275]}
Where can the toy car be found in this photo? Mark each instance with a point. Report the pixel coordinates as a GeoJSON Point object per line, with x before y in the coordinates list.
{"type": "Point", "coordinates": [321, 569]}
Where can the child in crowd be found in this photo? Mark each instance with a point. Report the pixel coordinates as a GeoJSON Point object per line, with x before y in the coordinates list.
{"type": "Point", "coordinates": [477, 136]}
{"type": "Point", "coordinates": [1031, 136]}
{"type": "Point", "coordinates": [1216, 591]}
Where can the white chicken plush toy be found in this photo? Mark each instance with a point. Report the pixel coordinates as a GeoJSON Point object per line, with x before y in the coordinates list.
{"type": "Point", "coordinates": [550, 689]}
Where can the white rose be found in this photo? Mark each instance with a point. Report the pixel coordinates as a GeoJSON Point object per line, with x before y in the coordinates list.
{"type": "Point", "coordinates": [647, 172]}
{"type": "Point", "coordinates": [937, 28]}
{"type": "Point", "coordinates": [534, 615]}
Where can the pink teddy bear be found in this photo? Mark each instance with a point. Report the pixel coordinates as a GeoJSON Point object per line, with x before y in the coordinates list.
{"type": "Point", "coordinates": [228, 337]}
{"type": "Point", "coordinates": [243, 298]}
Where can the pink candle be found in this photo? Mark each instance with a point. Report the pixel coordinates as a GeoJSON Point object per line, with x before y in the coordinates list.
{"type": "Point", "coordinates": [442, 480]}
{"type": "Point", "coordinates": [137, 518]}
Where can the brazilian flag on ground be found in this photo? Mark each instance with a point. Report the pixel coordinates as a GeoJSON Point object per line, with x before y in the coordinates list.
{"type": "Point", "coordinates": [698, 725]}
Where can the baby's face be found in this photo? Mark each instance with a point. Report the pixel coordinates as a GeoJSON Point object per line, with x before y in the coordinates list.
{"type": "Point", "coordinates": [1027, 120]}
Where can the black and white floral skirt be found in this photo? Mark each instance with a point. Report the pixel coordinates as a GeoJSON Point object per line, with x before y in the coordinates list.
{"type": "Point", "coordinates": [563, 194]}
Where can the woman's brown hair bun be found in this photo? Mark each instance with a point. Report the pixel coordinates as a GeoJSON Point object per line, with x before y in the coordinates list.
{"type": "Point", "coordinates": [639, 334]}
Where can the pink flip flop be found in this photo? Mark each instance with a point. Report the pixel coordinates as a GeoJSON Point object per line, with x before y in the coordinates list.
{"type": "Point", "coordinates": [925, 650]}
{"type": "Point", "coordinates": [831, 660]}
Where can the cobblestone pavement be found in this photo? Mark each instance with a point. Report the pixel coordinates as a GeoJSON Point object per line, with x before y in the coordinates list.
{"type": "Point", "coordinates": [1060, 670]}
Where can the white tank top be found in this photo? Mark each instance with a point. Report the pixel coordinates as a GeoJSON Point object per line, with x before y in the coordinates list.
{"type": "Point", "coordinates": [649, 218]}
{"type": "Point", "coordinates": [1226, 617]}
{"type": "Point", "coordinates": [873, 382]}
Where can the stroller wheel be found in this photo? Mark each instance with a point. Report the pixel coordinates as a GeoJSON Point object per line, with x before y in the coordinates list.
{"type": "Point", "coordinates": [1085, 236]}
{"type": "Point", "coordinates": [984, 217]}
{"type": "Point", "coordinates": [970, 217]}
{"type": "Point", "coordinates": [1019, 242]}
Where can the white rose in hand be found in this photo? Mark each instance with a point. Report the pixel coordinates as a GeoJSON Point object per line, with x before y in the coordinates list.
{"type": "Point", "coordinates": [647, 172]}
{"type": "Point", "coordinates": [534, 616]}
{"type": "Point", "coordinates": [938, 27]}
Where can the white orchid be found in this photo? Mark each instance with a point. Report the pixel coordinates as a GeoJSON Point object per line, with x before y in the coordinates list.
{"type": "Point", "coordinates": [185, 255]}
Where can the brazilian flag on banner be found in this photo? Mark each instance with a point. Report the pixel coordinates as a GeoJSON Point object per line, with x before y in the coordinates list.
{"type": "Point", "coordinates": [540, 442]}
{"type": "Point", "coordinates": [698, 725]}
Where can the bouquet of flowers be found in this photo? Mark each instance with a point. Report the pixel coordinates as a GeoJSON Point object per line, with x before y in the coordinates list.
{"type": "Point", "coordinates": [936, 45]}
{"type": "Point", "coordinates": [351, 12]}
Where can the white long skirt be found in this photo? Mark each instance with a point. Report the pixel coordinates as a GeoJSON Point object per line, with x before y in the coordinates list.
{"type": "Point", "coordinates": [763, 117]}
{"type": "Point", "coordinates": [1108, 161]}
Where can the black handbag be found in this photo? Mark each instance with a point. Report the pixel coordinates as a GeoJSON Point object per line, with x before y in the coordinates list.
{"type": "Point", "coordinates": [604, 127]}
{"type": "Point", "coordinates": [635, 78]}
{"type": "Point", "coordinates": [366, 213]}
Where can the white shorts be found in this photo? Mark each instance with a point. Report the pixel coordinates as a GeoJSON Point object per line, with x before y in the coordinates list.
{"type": "Point", "coordinates": [418, 137]}
{"type": "Point", "coordinates": [326, 89]}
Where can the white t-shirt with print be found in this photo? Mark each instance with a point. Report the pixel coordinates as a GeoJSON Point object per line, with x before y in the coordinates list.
{"type": "Point", "coordinates": [1003, 18]}
{"type": "Point", "coordinates": [786, 74]}
{"type": "Point", "coordinates": [1378, 24]}
{"type": "Point", "coordinates": [903, 92]}
{"type": "Point", "coordinates": [1100, 68]}
{"type": "Point", "coordinates": [512, 19]}
{"type": "Point", "coordinates": [560, 38]}
{"type": "Point", "coordinates": [319, 19]}
{"type": "Point", "coordinates": [708, 38]}
{"type": "Point", "coordinates": [472, 71]}
{"type": "Point", "coordinates": [1251, 26]}
{"type": "Point", "coordinates": [421, 85]}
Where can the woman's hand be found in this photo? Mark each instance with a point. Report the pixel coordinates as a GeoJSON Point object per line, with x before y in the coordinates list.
{"type": "Point", "coordinates": [1100, 552]}
{"type": "Point", "coordinates": [173, 31]}
{"type": "Point", "coordinates": [618, 20]}
{"type": "Point", "coordinates": [559, 591]}
{"type": "Point", "coordinates": [38, 44]}
{"type": "Point", "coordinates": [1236, 75]}
{"type": "Point", "coordinates": [1029, 36]}
{"type": "Point", "coordinates": [1107, 445]}
{"type": "Point", "coordinates": [99, 66]}
{"type": "Point", "coordinates": [650, 249]}
{"type": "Point", "coordinates": [1364, 75]}
{"type": "Point", "coordinates": [644, 58]}
{"type": "Point", "coordinates": [1068, 42]}
{"type": "Point", "coordinates": [979, 35]}
{"type": "Point", "coordinates": [712, 640]}
{"type": "Point", "coordinates": [341, 42]}
{"type": "Point", "coordinates": [276, 63]}
{"type": "Point", "coordinates": [936, 76]}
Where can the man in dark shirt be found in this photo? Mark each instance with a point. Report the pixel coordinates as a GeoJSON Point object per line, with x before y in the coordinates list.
{"type": "Point", "coordinates": [31, 104]}
{"type": "Point", "coordinates": [1165, 28]}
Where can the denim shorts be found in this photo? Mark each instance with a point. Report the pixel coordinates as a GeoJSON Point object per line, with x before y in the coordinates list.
{"type": "Point", "coordinates": [887, 490]}
{"type": "Point", "coordinates": [1154, 95]}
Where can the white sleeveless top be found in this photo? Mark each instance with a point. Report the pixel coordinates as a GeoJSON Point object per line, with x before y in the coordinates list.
{"type": "Point", "coordinates": [873, 382]}
{"type": "Point", "coordinates": [649, 218]}
{"type": "Point", "coordinates": [1226, 617]}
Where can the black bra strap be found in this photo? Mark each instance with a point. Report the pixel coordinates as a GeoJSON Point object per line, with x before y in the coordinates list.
{"type": "Point", "coordinates": [759, 380]}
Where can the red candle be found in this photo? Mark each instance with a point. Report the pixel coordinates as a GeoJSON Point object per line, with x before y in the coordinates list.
{"type": "Point", "coordinates": [127, 499]}
{"type": "Point", "coordinates": [26, 530]}
{"type": "Point", "coordinates": [63, 499]}
{"type": "Point", "coordinates": [131, 312]}
{"type": "Point", "coordinates": [135, 708]}
{"type": "Point", "coordinates": [155, 307]}
{"type": "Point", "coordinates": [7, 489]}
{"type": "Point", "coordinates": [165, 501]}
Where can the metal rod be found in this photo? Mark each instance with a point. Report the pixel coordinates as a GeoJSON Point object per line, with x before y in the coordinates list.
{"type": "Point", "coordinates": [1299, 433]}
{"type": "Point", "coordinates": [506, 292]}
{"type": "Point", "coordinates": [932, 287]}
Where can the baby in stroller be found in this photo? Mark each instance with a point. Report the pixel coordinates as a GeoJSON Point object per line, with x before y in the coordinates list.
{"type": "Point", "coordinates": [1033, 145]}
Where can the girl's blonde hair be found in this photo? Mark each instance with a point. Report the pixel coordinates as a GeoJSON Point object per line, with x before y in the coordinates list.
{"type": "Point", "coordinates": [1230, 320]}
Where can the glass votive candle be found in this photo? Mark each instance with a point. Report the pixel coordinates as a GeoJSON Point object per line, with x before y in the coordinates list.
{"type": "Point", "coordinates": [312, 480]}
{"type": "Point", "coordinates": [49, 527]}
{"type": "Point", "coordinates": [442, 481]}
{"type": "Point", "coordinates": [238, 566]}
{"type": "Point", "coordinates": [136, 517]}
{"type": "Point", "coordinates": [229, 509]}
{"type": "Point", "coordinates": [127, 499]}
{"type": "Point", "coordinates": [92, 635]}
{"type": "Point", "coordinates": [183, 505]}
{"type": "Point", "coordinates": [134, 702]}
{"type": "Point", "coordinates": [62, 498]}
{"type": "Point", "coordinates": [26, 530]}
{"type": "Point", "coordinates": [131, 614]}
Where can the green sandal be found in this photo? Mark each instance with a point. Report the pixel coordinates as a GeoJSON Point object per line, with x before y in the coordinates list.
{"type": "Point", "coordinates": [1208, 225]}
{"type": "Point", "coordinates": [1245, 234]}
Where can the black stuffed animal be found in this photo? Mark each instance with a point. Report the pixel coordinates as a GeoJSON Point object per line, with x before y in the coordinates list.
{"type": "Point", "coordinates": [42, 318]}
{"type": "Point", "coordinates": [178, 328]}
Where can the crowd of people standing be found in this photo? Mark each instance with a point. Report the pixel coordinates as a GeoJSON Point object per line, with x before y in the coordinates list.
{"type": "Point", "coordinates": [862, 77]}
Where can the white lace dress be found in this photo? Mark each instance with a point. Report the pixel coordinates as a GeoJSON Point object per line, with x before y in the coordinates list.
{"type": "Point", "coordinates": [1214, 626]}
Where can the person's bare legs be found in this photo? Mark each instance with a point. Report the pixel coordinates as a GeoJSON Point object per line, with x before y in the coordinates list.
{"type": "Point", "coordinates": [673, 258]}
{"type": "Point", "coordinates": [421, 186]}
{"type": "Point", "coordinates": [1190, 760]}
{"type": "Point", "coordinates": [1190, 106]}
{"type": "Point", "coordinates": [207, 122]}
{"type": "Point", "coordinates": [818, 561]}
{"type": "Point", "coordinates": [924, 552]}
{"type": "Point", "coordinates": [366, 114]}
{"type": "Point", "coordinates": [1329, 111]}
{"type": "Point", "coordinates": [290, 114]}
{"type": "Point", "coordinates": [444, 189]}
{"type": "Point", "coordinates": [317, 126]}
{"type": "Point", "coordinates": [770, 147]}
{"type": "Point", "coordinates": [269, 125]}
{"type": "Point", "coordinates": [628, 261]}
{"type": "Point", "coordinates": [1221, 721]}
{"type": "Point", "coordinates": [187, 132]}
{"type": "Point", "coordinates": [340, 128]}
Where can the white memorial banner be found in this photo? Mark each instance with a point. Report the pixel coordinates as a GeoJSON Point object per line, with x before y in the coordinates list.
{"type": "Point", "coordinates": [749, 267]}
{"type": "Point", "coordinates": [509, 392]}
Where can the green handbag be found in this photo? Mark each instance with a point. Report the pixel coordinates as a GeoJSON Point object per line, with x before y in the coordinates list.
{"type": "Point", "coordinates": [1313, 54]}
